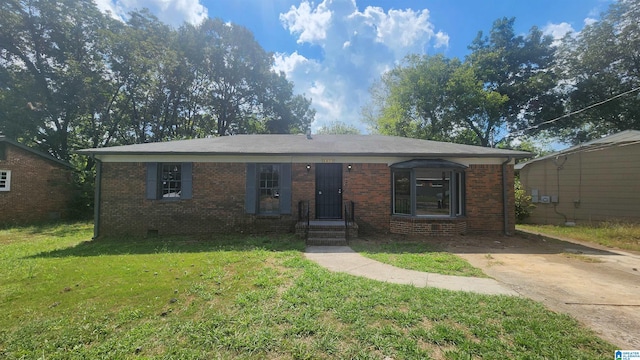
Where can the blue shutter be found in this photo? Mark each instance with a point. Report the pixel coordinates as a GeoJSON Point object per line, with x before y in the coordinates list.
{"type": "Point", "coordinates": [285, 188]}
{"type": "Point", "coordinates": [152, 181]}
{"type": "Point", "coordinates": [250, 190]}
{"type": "Point", "coordinates": [187, 181]}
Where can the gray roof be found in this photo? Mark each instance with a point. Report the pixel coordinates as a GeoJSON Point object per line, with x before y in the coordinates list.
{"type": "Point", "coordinates": [627, 137]}
{"type": "Point", "coordinates": [350, 145]}
{"type": "Point", "coordinates": [5, 139]}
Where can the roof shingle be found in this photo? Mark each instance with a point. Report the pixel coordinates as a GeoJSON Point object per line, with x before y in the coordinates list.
{"type": "Point", "coordinates": [352, 145]}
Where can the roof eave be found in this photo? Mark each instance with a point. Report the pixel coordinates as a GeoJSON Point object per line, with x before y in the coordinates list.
{"type": "Point", "coordinates": [36, 152]}
{"type": "Point", "coordinates": [198, 153]}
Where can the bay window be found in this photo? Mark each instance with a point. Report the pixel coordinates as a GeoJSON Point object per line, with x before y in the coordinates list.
{"type": "Point", "coordinates": [428, 188]}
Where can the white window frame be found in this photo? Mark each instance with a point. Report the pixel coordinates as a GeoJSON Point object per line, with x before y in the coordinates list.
{"type": "Point", "coordinates": [5, 180]}
{"type": "Point", "coordinates": [170, 181]}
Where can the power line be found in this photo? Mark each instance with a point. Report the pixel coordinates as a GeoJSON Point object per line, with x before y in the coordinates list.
{"type": "Point", "coordinates": [575, 112]}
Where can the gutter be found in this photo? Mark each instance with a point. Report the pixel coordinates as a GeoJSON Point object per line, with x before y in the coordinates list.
{"type": "Point", "coordinates": [505, 192]}
{"type": "Point", "coordinates": [96, 198]}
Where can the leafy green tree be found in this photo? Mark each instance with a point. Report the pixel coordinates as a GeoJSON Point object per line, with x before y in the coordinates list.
{"type": "Point", "coordinates": [475, 107]}
{"type": "Point", "coordinates": [519, 71]}
{"type": "Point", "coordinates": [51, 55]}
{"type": "Point", "coordinates": [338, 128]}
{"type": "Point", "coordinates": [505, 84]}
{"type": "Point", "coordinates": [244, 94]}
{"type": "Point", "coordinates": [412, 99]}
{"type": "Point", "coordinates": [598, 64]}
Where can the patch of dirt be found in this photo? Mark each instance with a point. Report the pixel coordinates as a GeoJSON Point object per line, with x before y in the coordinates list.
{"type": "Point", "coordinates": [599, 287]}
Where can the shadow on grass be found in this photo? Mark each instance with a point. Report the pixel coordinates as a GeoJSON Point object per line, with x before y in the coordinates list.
{"type": "Point", "coordinates": [176, 244]}
{"type": "Point", "coordinates": [521, 243]}
{"type": "Point", "coordinates": [396, 247]}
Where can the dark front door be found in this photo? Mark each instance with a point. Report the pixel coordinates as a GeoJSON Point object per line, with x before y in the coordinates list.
{"type": "Point", "coordinates": [329, 191]}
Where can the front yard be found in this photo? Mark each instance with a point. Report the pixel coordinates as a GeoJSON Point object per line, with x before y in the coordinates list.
{"type": "Point", "coordinates": [63, 296]}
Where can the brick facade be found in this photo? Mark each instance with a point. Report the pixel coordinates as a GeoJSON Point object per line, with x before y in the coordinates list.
{"type": "Point", "coordinates": [484, 201]}
{"type": "Point", "coordinates": [369, 187]}
{"type": "Point", "coordinates": [217, 205]}
{"type": "Point", "coordinates": [218, 202]}
{"type": "Point", "coordinates": [41, 189]}
{"type": "Point", "coordinates": [407, 225]}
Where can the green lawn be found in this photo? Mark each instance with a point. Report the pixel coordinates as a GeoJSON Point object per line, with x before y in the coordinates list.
{"type": "Point", "coordinates": [65, 297]}
{"type": "Point", "coordinates": [415, 255]}
{"type": "Point", "coordinates": [612, 234]}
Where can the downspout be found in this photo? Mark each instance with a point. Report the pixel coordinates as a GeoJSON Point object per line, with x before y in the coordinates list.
{"type": "Point", "coordinates": [505, 199]}
{"type": "Point", "coordinates": [96, 198]}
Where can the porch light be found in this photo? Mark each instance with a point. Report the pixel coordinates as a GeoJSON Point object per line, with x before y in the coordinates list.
{"type": "Point", "coordinates": [349, 167]}
{"type": "Point", "coordinates": [308, 167]}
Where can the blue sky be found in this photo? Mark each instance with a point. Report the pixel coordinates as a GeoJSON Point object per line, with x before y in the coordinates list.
{"type": "Point", "coordinates": [333, 50]}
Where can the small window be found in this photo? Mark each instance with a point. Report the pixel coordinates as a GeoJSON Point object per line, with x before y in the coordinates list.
{"type": "Point", "coordinates": [269, 182]}
{"type": "Point", "coordinates": [3, 151]}
{"type": "Point", "coordinates": [5, 180]}
{"type": "Point", "coordinates": [268, 189]}
{"type": "Point", "coordinates": [171, 181]}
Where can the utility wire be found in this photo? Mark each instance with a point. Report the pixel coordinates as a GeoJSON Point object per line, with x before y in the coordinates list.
{"type": "Point", "coordinates": [574, 112]}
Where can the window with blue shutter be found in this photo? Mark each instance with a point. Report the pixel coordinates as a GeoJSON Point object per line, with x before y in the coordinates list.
{"type": "Point", "coordinates": [268, 189]}
{"type": "Point", "coordinates": [169, 181]}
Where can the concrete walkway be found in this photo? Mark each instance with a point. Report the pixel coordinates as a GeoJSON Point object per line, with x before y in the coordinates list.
{"type": "Point", "coordinates": [344, 259]}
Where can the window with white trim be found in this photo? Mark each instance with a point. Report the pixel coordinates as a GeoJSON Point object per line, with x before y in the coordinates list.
{"type": "Point", "coordinates": [5, 180]}
{"type": "Point", "coordinates": [170, 181]}
{"type": "Point", "coordinates": [269, 188]}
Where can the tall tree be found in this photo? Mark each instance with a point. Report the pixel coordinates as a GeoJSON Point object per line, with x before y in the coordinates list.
{"type": "Point", "coordinates": [520, 69]}
{"type": "Point", "coordinates": [51, 55]}
{"type": "Point", "coordinates": [412, 99]}
{"type": "Point", "coordinates": [600, 63]}
{"type": "Point", "coordinates": [244, 93]}
{"type": "Point", "coordinates": [505, 84]}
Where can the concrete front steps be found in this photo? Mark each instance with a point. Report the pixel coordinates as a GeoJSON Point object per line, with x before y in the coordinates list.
{"type": "Point", "coordinates": [329, 233]}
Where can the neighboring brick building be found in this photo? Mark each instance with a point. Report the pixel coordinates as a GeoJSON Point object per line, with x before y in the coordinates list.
{"type": "Point", "coordinates": [34, 186]}
{"type": "Point", "coordinates": [265, 183]}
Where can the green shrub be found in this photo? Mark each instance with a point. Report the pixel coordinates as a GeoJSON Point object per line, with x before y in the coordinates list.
{"type": "Point", "coordinates": [523, 202]}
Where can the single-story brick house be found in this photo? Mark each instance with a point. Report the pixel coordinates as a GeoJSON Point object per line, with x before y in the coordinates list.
{"type": "Point", "coordinates": [260, 183]}
{"type": "Point", "coordinates": [592, 182]}
{"type": "Point", "coordinates": [34, 186]}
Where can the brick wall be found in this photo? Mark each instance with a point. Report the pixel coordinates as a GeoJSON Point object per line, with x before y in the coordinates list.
{"type": "Point", "coordinates": [217, 205]}
{"type": "Point", "coordinates": [484, 202]}
{"type": "Point", "coordinates": [303, 187]}
{"type": "Point", "coordinates": [40, 189]}
{"type": "Point", "coordinates": [369, 187]}
{"type": "Point", "coordinates": [219, 191]}
{"type": "Point", "coordinates": [427, 226]}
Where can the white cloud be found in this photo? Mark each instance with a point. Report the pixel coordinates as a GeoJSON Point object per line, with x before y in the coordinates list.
{"type": "Point", "coordinates": [173, 12]}
{"type": "Point", "coordinates": [558, 31]}
{"type": "Point", "coordinates": [357, 47]}
{"type": "Point", "coordinates": [309, 23]}
{"type": "Point", "coordinates": [290, 64]}
{"type": "Point", "coordinates": [589, 21]}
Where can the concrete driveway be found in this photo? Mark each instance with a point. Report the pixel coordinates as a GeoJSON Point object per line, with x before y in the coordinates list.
{"type": "Point", "coordinates": [599, 287]}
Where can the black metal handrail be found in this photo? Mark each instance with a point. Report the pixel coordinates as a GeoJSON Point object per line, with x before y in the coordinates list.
{"type": "Point", "coordinates": [349, 216]}
{"type": "Point", "coordinates": [304, 213]}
